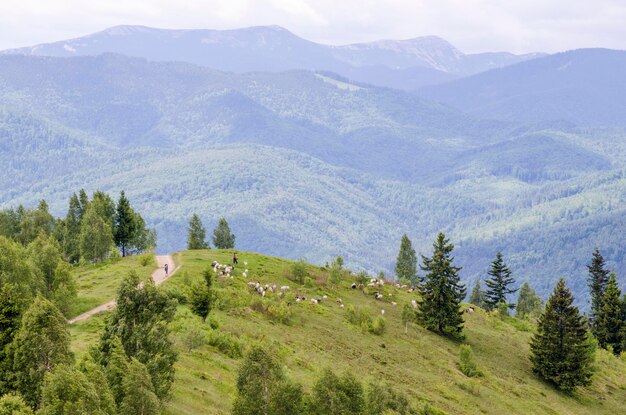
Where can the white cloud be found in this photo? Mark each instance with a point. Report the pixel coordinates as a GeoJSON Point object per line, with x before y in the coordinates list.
{"type": "Point", "coordinates": [472, 25]}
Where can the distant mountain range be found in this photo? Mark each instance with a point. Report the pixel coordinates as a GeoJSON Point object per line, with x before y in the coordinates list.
{"type": "Point", "coordinates": [310, 164]}
{"type": "Point", "coordinates": [402, 64]}
{"type": "Point", "coordinates": [585, 87]}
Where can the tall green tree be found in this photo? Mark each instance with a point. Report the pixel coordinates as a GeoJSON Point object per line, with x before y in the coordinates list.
{"type": "Point", "coordinates": [11, 404]}
{"type": "Point", "coordinates": [529, 304]}
{"type": "Point", "coordinates": [441, 290]}
{"type": "Point", "coordinates": [116, 369]}
{"type": "Point", "coordinates": [84, 202]}
{"type": "Point", "coordinates": [125, 225]}
{"type": "Point", "coordinates": [18, 271]}
{"type": "Point", "coordinates": [104, 207]}
{"type": "Point", "coordinates": [383, 399]}
{"type": "Point", "coordinates": [499, 283]}
{"type": "Point", "coordinates": [141, 322]}
{"type": "Point", "coordinates": [406, 264]}
{"type": "Point", "coordinates": [9, 325]}
{"type": "Point", "coordinates": [223, 238]}
{"type": "Point", "coordinates": [139, 395]}
{"type": "Point", "coordinates": [71, 238]}
{"type": "Point", "coordinates": [96, 239]}
{"type": "Point", "coordinates": [34, 222]}
{"type": "Point", "coordinates": [477, 296]}
{"type": "Point", "coordinates": [67, 391]}
{"type": "Point", "coordinates": [95, 374]}
{"type": "Point", "coordinates": [609, 323]}
{"type": "Point", "coordinates": [258, 375]}
{"type": "Point", "coordinates": [200, 300]}
{"type": "Point", "coordinates": [333, 395]}
{"type": "Point", "coordinates": [561, 352]}
{"type": "Point", "coordinates": [196, 234]}
{"type": "Point", "coordinates": [597, 280]}
{"type": "Point", "coordinates": [41, 344]}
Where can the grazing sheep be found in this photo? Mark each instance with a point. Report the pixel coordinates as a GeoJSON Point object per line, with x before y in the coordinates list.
{"type": "Point", "coordinates": [324, 296]}
{"type": "Point", "coordinates": [245, 263]}
{"type": "Point", "coordinates": [314, 301]}
{"type": "Point", "coordinates": [379, 296]}
{"type": "Point", "coordinates": [251, 285]}
{"type": "Point", "coordinates": [213, 264]}
{"type": "Point", "coordinates": [245, 270]}
{"type": "Point", "coordinates": [257, 285]}
{"type": "Point", "coordinates": [353, 286]}
{"type": "Point", "coordinates": [382, 312]}
{"type": "Point", "coordinates": [404, 287]}
{"type": "Point", "coordinates": [371, 284]}
{"type": "Point", "coordinates": [394, 303]}
{"type": "Point", "coordinates": [243, 274]}
{"type": "Point", "coordinates": [414, 303]}
{"type": "Point", "coordinates": [341, 305]}
{"type": "Point", "coordinates": [298, 300]}
{"type": "Point", "coordinates": [470, 310]}
{"type": "Point", "coordinates": [339, 300]}
{"type": "Point", "coordinates": [284, 288]}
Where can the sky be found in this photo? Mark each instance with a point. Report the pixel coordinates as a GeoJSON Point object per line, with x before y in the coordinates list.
{"type": "Point", "coordinates": [473, 26]}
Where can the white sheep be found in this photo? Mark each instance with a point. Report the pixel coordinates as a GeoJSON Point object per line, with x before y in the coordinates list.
{"type": "Point", "coordinates": [324, 296]}
{"type": "Point", "coordinates": [414, 303]}
{"type": "Point", "coordinates": [394, 303]}
{"type": "Point", "coordinates": [284, 288]}
{"type": "Point", "coordinates": [382, 312]}
{"type": "Point", "coordinates": [314, 301]}
{"type": "Point", "coordinates": [379, 296]}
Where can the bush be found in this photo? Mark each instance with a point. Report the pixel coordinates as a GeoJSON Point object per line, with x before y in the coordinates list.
{"type": "Point", "coordinates": [430, 410]}
{"type": "Point", "coordinates": [378, 326]}
{"type": "Point", "coordinates": [308, 282]}
{"type": "Point", "coordinates": [178, 294]}
{"type": "Point", "coordinates": [362, 278]}
{"type": "Point", "coordinates": [280, 312]}
{"type": "Point", "coordinates": [358, 317]}
{"type": "Point", "coordinates": [194, 336]}
{"type": "Point", "coordinates": [299, 271]}
{"type": "Point", "coordinates": [466, 362]}
{"type": "Point", "coordinates": [146, 259]}
{"type": "Point", "coordinates": [226, 343]}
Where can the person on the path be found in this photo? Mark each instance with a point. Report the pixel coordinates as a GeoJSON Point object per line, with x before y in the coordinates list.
{"type": "Point", "coordinates": [235, 259]}
{"type": "Point", "coordinates": [165, 267]}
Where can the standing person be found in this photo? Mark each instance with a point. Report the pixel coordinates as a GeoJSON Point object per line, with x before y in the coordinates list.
{"type": "Point", "coordinates": [165, 267]}
{"type": "Point", "coordinates": [235, 259]}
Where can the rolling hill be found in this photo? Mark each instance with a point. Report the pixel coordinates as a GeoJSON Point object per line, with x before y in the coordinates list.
{"type": "Point", "coordinates": [584, 87]}
{"type": "Point", "coordinates": [308, 164]}
{"type": "Point", "coordinates": [404, 64]}
{"type": "Point", "coordinates": [311, 337]}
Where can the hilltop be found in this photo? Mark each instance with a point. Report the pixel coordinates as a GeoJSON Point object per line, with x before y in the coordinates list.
{"type": "Point", "coordinates": [310, 337]}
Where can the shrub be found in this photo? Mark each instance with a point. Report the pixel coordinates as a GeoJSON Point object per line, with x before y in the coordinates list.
{"type": "Point", "coordinates": [378, 326]}
{"type": "Point", "coordinates": [299, 271]}
{"type": "Point", "coordinates": [226, 343]}
{"type": "Point", "coordinates": [279, 312]}
{"type": "Point", "coordinates": [358, 317]}
{"type": "Point", "coordinates": [308, 282]}
{"type": "Point", "coordinates": [430, 410]}
{"type": "Point", "coordinates": [466, 362]}
{"type": "Point", "coordinates": [362, 278]}
{"type": "Point", "coordinates": [146, 259]}
{"type": "Point", "coordinates": [178, 294]}
{"type": "Point", "coordinates": [194, 336]}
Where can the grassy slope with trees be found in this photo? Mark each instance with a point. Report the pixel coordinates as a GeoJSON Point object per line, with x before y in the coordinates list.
{"type": "Point", "coordinates": [317, 336]}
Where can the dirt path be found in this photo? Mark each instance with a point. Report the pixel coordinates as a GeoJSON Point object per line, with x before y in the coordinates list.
{"type": "Point", "coordinates": [158, 275]}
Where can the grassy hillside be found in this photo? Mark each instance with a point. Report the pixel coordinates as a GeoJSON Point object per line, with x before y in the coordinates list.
{"type": "Point", "coordinates": [315, 336]}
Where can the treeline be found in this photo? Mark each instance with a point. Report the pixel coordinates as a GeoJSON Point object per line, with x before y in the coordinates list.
{"type": "Point", "coordinates": [563, 347]}
{"type": "Point", "coordinates": [130, 371]}
{"type": "Point", "coordinates": [93, 229]}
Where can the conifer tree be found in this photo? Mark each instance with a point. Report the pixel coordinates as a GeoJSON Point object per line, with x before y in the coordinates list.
{"type": "Point", "coordinates": [529, 304]}
{"type": "Point", "coordinates": [200, 300]}
{"type": "Point", "coordinates": [95, 237]}
{"type": "Point", "coordinates": [477, 296]}
{"type": "Point", "coordinates": [116, 369]}
{"type": "Point", "coordinates": [139, 395]}
{"type": "Point", "coordinates": [223, 238]}
{"type": "Point", "coordinates": [196, 234]}
{"type": "Point", "coordinates": [12, 404]}
{"type": "Point", "coordinates": [609, 323]}
{"type": "Point", "coordinates": [84, 202]}
{"type": "Point", "coordinates": [561, 352]}
{"type": "Point", "coordinates": [41, 344]}
{"type": "Point", "coordinates": [125, 225]}
{"type": "Point", "coordinates": [71, 237]}
{"type": "Point", "coordinates": [9, 325]}
{"type": "Point", "coordinates": [406, 264]}
{"type": "Point", "coordinates": [597, 281]}
{"type": "Point", "coordinates": [441, 290]}
{"type": "Point", "coordinates": [498, 286]}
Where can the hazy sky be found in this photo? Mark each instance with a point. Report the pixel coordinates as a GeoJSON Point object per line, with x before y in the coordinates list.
{"type": "Point", "coordinates": [471, 25]}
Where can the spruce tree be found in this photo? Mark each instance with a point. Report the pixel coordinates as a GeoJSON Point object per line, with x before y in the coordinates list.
{"type": "Point", "coordinates": [9, 325]}
{"type": "Point", "coordinates": [406, 264]}
{"type": "Point", "coordinates": [116, 369]}
{"type": "Point", "coordinates": [609, 323]}
{"type": "Point", "coordinates": [597, 281]}
{"type": "Point", "coordinates": [222, 236]}
{"type": "Point", "coordinates": [561, 352]}
{"type": "Point", "coordinates": [498, 286]}
{"type": "Point", "coordinates": [71, 238]}
{"type": "Point", "coordinates": [196, 234]}
{"type": "Point", "coordinates": [477, 296]}
{"type": "Point", "coordinates": [441, 290]}
{"type": "Point", "coordinates": [42, 343]}
{"type": "Point", "coordinates": [84, 202]}
{"type": "Point", "coordinates": [125, 225]}
{"type": "Point", "coordinates": [529, 304]}
{"type": "Point", "coordinates": [200, 300]}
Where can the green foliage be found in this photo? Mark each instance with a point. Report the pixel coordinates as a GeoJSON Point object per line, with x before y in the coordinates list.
{"type": "Point", "coordinates": [560, 350]}
{"type": "Point", "coordinates": [477, 296]}
{"type": "Point", "coordinates": [362, 277]}
{"type": "Point", "coordinates": [332, 395]}
{"type": "Point", "coordinates": [280, 312]}
{"type": "Point", "coordinates": [467, 363]}
{"type": "Point", "coordinates": [286, 398]}
{"type": "Point", "coordinates": [139, 394]}
{"type": "Point", "coordinates": [498, 285]}
{"type": "Point", "coordinates": [141, 322]}
{"type": "Point", "coordinates": [193, 336]}
{"type": "Point", "coordinates": [609, 324]}
{"type": "Point", "coordinates": [200, 300]}
{"type": "Point", "coordinates": [71, 237]}
{"type": "Point", "coordinates": [427, 409]}
{"type": "Point", "coordinates": [34, 222]}
{"type": "Point", "coordinates": [299, 271]}
{"type": "Point", "coordinates": [597, 281]}
{"type": "Point", "coordinates": [125, 225]}
{"type": "Point", "coordinates": [258, 378]}
{"type": "Point", "coordinates": [9, 325]}
{"type": "Point", "coordinates": [378, 326]}
{"type": "Point", "coordinates": [223, 238]}
{"type": "Point", "coordinates": [383, 398]}
{"type": "Point", "coordinates": [11, 404]}
{"type": "Point", "coordinates": [18, 271]}
{"type": "Point", "coordinates": [196, 234]}
{"type": "Point", "coordinates": [96, 238]}
{"type": "Point", "coordinates": [441, 291]}
{"type": "Point", "coordinates": [406, 264]}
{"type": "Point", "coordinates": [146, 259]}
{"type": "Point", "coordinates": [336, 271]}
{"type": "Point", "coordinates": [529, 304]}
{"type": "Point", "coordinates": [226, 343]}
{"type": "Point", "coordinates": [359, 317]}
{"type": "Point", "coordinates": [41, 344]}
{"type": "Point", "coordinates": [95, 374]}
{"type": "Point", "coordinates": [409, 315]}
{"type": "Point", "coordinates": [116, 369]}
{"type": "Point", "coordinates": [67, 391]}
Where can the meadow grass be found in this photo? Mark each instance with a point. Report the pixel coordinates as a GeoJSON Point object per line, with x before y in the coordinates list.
{"type": "Point", "coordinates": [314, 336]}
